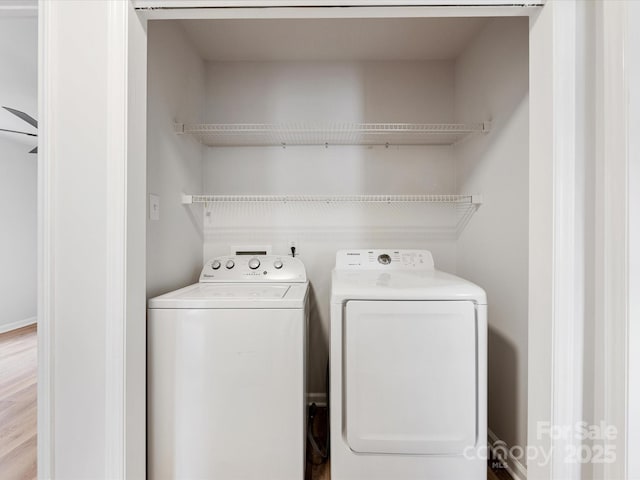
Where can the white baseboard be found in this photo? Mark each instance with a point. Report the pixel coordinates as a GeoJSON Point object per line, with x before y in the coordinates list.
{"type": "Point", "coordinates": [320, 399]}
{"type": "Point", "coordinates": [512, 464]}
{"type": "Point", "coordinates": [7, 327]}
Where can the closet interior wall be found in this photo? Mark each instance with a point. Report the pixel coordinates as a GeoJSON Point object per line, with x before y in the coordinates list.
{"type": "Point", "coordinates": [485, 79]}
{"type": "Point", "coordinates": [175, 88]}
{"type": "Point", "coordinates": [492, 81]}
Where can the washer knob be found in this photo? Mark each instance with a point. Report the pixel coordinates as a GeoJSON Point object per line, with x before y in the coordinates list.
{"type": "Point", "coordinates": [277, 264]}
{"type": "Point", "coordinates": [215, 265]}
{"type": "Point", "coordinates": [230, 264]}
{"type": "Point", "coordinates": [254, 263]}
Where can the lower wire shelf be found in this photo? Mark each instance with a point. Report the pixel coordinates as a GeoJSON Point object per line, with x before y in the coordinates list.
{"type": "Point", "coordinates": [454, 199]}
{"type": "Point", "coordinates": [251, 216]}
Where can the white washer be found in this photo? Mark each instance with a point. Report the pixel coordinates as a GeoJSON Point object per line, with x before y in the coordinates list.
{"type": "Point", "coordinates": [408, 369]}
{"type": "Point", "coordinates": [227, 373]}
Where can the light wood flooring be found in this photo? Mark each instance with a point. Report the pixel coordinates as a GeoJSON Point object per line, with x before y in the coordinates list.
{"type": "Point", "coordinates": [18, 411]}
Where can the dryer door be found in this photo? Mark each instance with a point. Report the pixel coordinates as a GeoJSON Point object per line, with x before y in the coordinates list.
{"type": "Point", "coordinates": [410, 372]}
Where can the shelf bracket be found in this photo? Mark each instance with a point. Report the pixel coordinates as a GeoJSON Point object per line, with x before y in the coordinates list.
{"type": "Point", "coordinates": [187, 199]}
{"type": "Point", "coordinates": [178, 128]}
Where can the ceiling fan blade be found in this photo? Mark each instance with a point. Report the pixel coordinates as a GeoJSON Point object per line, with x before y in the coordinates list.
{"type": "Point", "coordinates": [35, 150]}
{"type": "Point", "coordinates": [27, 118]}
{"type": "Point", "coordinates": [16, 131]}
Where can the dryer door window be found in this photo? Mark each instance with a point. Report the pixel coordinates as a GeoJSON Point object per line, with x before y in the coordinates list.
{"type": "Point", "coordinates": [410, 372]}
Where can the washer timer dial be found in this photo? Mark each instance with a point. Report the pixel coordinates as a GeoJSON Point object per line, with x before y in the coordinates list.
{"type": "Point", "coordinates": [254, 263]}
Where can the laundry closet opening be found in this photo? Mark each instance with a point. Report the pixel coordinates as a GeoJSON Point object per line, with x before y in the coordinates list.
{"type": "Point", "coordinates": [330, 134]}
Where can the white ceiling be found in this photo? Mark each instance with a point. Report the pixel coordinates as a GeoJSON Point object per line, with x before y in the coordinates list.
{"type": "Point", "coordinates": [332, 39]}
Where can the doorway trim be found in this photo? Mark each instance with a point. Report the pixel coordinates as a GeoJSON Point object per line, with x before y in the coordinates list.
{"type": "Point", "coordinates": [45, 448]}
{"type": "Point", "coordinates": [553, 317]}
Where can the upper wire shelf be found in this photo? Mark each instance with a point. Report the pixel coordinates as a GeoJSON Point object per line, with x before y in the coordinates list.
{"type": "Point", "coordinates": [453, 199]}
{"type": "Point", "coordinates": [262, 134]}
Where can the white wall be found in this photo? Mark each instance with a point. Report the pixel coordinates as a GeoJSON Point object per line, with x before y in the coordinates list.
{"type": "Point", "coordinates": [176, 90]}
{"type": "Point", "coordinates": [491, 80]}
{"type": "Point", "coordinates": [336, 92]}
{"type": "Point", "coordinates": [18, 171]}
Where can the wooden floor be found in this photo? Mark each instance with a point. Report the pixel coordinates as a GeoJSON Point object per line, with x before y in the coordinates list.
{"type": "Point", "coordinates": [18, 369]}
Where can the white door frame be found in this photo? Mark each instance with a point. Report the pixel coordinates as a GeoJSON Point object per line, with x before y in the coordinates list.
{"type": "Point", "coordinates": [554, 363]}
{"type": "Point", "coordinates": [555, 316]}
{"type": "Point", "coordinates": [91, 293]}
{"type": "Point", "coordinates": [46, 439]}
{"type": "Point", "coordinates": [632, 60]}
{"type": "Point", "coordinates": [618, 234]}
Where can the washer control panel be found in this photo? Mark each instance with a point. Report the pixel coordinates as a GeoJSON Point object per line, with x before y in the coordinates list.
{"type": "Point", "coordinates": [254, 269]}
{"type": "Point", "coordinates": [384, 260]}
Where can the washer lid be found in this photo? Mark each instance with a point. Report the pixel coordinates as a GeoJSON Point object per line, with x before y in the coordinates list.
{"type": "Point", "coordinates": [234, 295]}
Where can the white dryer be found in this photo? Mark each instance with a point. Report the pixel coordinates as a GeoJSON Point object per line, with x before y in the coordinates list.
{"type": "Point", "coordinates": [227, 373]}
{"type": "Point", "coordinates": [408, 366]}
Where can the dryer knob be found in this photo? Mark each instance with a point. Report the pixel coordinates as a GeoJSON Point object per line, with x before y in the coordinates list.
{"type": "Point", "coordinates": [230, 264]}
{"type": "Point", "coordinates": [384, 259]}
{"type": "Point", "coordinates": [254, 263]}
{"type": "Point", "coordinates": [215, 264]}
{"type": "Point", "coordinates": [278, 264]}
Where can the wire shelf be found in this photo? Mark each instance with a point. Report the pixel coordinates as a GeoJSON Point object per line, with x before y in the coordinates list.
{"type": "Point", "coordinates": [257, 134]}
{"type": "Point", "coordinates": [453, 199]}
{"type": "Point", "coordinates": [434, 216]}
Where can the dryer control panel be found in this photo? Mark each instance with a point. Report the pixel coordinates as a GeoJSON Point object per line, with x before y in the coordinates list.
{"type": "Point", "coordinates": [253, 269]}
{"type": "Point", "coordinates": [384, 260]}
